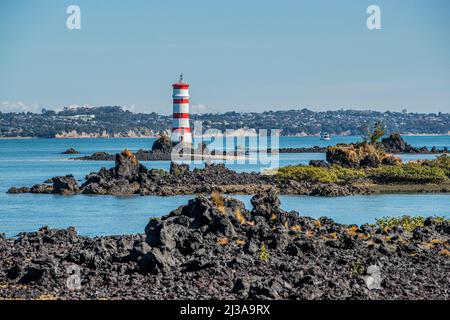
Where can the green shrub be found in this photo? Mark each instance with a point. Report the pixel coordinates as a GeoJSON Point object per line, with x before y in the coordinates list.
{"type": "Point", "coordinates": [356, 268]}
{"type": "Point", "coordinates": [263, 253]}
{"type": "Point", "coordinates": [347, 175]}
{"type": "Point", "coordinates": [416, 172]}
{"type": "Point", "coordinates": [412, 172]}
{"type": "Point", "coordinates": [335, 174]}
{"type": "Point", "coordinates": [407, 223]}
{"type": "Point", "coordinates": [441, 162]}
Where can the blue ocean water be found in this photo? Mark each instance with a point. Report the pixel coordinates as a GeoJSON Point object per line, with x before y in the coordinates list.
{"type": "Point", "coordinates": [24, 162]}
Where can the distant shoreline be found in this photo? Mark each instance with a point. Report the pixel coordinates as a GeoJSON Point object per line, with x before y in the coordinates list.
{"type": "Point", "coordinates": [424, 135]}
{"type": "Point", "coordinates": [152, 137]}
{"type": "Point", "coordinates": [21, 138]}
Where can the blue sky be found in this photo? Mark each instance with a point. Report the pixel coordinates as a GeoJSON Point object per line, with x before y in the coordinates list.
{"type": "Point", "coordinates": [238, 55]}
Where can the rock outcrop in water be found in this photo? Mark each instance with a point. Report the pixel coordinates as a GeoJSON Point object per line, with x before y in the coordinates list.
{"type": "Point", "coordinates": [373, 155]}
{"type": "Point", "coordinates": [162, 144]}
{"type": "Point", "coordinates": [360, 155]}
{"type": "Point", "coordinates": [70, 151]}
{"type": "Point", "coordinates": [214, 248]}
{"type": "Point", "coordinates": [396, 144]}
{"type": "Point", "coordinates": [141, 155]}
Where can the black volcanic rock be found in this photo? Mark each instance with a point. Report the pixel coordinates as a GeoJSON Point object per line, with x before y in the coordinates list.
{"type": "Point", "coordinates": [162, 144]}
{"type": "Point", "coordinates": [65, 185]}
{"type": "Point", "coordinates": [97, 156]}
{"type": "Point", "coordinates": [178, 169]}
{"type": "Point", "coordinates": [59, 185]}
{"type": "Point", "coordinates": [41, 188]}
{"type": "Point", "coordinates": [213, 247]}
{"type": "Point", "coordinates": [127, 166]}
{"type": "Point", "coordinates": [370, 161]}
{"type": "Point", "coordinates": [18, 190]}
{"type": "Point", "coordinates": [395, 144]}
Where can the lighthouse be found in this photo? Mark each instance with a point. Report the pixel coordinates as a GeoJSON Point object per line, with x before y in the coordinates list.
{"type": "Point", "coordinates": [181, 131]}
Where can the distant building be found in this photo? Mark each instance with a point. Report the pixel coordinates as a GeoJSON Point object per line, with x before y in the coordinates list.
{"type": "Point", "coordinates": [181, 131]}
{"type": "Point", "coordinates": [83, 117]}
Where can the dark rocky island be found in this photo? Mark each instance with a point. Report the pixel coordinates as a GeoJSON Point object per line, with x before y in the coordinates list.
{"type": "Point", "coordinates": [161, 151]}
{"type": "Point", "coordinates": [214, 248]}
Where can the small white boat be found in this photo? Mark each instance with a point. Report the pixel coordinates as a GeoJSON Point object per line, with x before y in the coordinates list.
{"type": "Point", "coordinates": [325, 136]}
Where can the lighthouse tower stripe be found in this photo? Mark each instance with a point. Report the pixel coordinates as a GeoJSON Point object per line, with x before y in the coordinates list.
{"type": "Point", "coordinates": [180, 100]}
{"type": "Point", "coordinates": [181, 130]}
{"type": "Point", "coordinates": [181, 108]}
{"type": "Point", "coordinates": [180, 85]}
{"type": "Point", "coordinates": [180, 115]}
{"type": "Point", "coordinates": [180, 123]}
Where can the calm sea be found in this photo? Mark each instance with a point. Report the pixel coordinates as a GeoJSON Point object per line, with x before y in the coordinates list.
{"type": "Point", "coordinates": [24, 162]}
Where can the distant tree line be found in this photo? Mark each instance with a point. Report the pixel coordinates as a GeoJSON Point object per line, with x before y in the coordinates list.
{"type": "Point", "coordinates": [113, 121]}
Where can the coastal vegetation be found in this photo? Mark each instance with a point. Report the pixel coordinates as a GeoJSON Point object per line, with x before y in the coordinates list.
{"type": "Point", "coordinates": [368, 160]}
{"type": "Point", "coordinates": [334, 174]}
{"type": "Point", "coordinates": [407, 223]}
{"type": "Point", "coordinates": [414, 172]}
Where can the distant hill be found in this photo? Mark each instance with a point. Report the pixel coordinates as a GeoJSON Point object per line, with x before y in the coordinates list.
{"type": "Point", "coordinates": [113, 121]}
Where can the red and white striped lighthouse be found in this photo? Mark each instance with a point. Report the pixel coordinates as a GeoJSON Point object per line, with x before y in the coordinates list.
{"type": "Point", "coordinates": [181, 131]}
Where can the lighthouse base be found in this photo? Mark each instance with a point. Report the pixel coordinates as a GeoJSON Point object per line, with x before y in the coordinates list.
{"type": "Point", "coordinates": [185, 138]}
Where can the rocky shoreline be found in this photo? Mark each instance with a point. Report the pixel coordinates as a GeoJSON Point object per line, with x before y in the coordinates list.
{"type": "Point", "coordinates": [129, 177]}
{"type": "Point", "coordinates": [214, 248]}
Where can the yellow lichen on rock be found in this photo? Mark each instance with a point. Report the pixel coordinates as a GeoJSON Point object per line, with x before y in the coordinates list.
{"type": "Point", "coordinates": [128, 154]}
{"type": "Point", "coordinates": [222, 241]}
{"type": "Point", "coordinates": [218, 201]}
{"type": "Point", "coordinates": [238, 215]}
